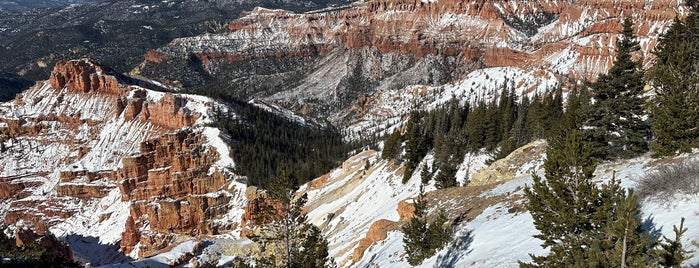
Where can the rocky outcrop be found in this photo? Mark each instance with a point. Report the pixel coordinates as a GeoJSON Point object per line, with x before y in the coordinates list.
{"type": "Point", "coordinates": [406, 211]}
{"type": "Point", "coordinates": [83, 191]}
{"type": "Point", "coordinates": [378, 231]}
{"type": "Point", "coordinates": [74, 143]}
{"type": "Point", "coordinates": [170, 188]}
{"type": "Point", "coordinates": [84, 76]}
{"type": "Point", "coordinates": [503, 32]}
{"type": "Point", "coordinates": [506, 168]}
{"type": "Point", "coordinates": [400, 43]}
{"type": "Point", "coordinates": [170, 112]}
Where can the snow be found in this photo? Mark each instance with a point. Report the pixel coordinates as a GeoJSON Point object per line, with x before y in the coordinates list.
{"type": "Point", "coordinates": [164, 260]}
{"type": "Point", "coordinates": [498, 237]}
{"type": "Point", "coordinates": [389, 106]}
{"type": "Point", "coordinates": [89, 124]}
{"type": "Point", "coordinates": [664, 217]}
{"type": "Point", "coordinates": [348, 204]}
{"type": "Point", "coordinates": [213, 136]}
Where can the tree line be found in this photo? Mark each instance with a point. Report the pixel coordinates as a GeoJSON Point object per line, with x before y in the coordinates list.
{"type": "Point", "coordinates": [499, 126]}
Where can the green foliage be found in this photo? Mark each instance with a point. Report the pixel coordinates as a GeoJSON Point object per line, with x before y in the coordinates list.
{"type": "Point", "coordinates": [392, 146]}
{"type": "Point", "coordinates": [622, 242]}
{"type": "Point", "coordinates": [562, 204]}
{"type": "Point", "coordinates": [584, 225]}
{"type": "Point", "coordinates": [33, 254]}
{"type": "Point", "coordinates": [672, 253]}
{"type": "Point", "coordinates": [285, 237]}
{"type": "Point", "coordinates": [416, 146]}
{"type": "Point", "coordinates": [422, 239]}
{"type": "Point", "coordinates": [674, 111]}
{"type": "Point", "coordinates": [263, 143]}
{"type": "Point", "coordinates": [452, 130]}
{"type": "Point", "coordinates": [616, 125]}
{"type": "Point", "coordinates": [446, 177]}
{"type": "Point", "coordinates": [426, 174]}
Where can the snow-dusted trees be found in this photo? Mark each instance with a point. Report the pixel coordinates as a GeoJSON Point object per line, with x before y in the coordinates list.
{"type": "Point", "coordinates": [585, 224]}
{"type": "Point", "coordinates": [616, 125]}
{"type": "Point", "coordinates": [674, 111]}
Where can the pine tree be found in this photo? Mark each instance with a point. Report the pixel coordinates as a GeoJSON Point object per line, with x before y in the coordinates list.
{"type": "Point", "coordinates": [420, 239]}
{"type": "Point", "coordinates": [439, 231]}
{"type": "Point", "coordinates": [617, 127]}
{"type": "Point", "coordinates": [415, 145]}
{"type": "Point", "coordinates": [563, 204]}
{"type": "Point", "coordinates": [415, 232]}
{"type": "Point", "coordinates": [674, 111]}
{"type": "Point", "coordinates": [672, 253]}
{"type": "Point", "coordinates": [285, 236]}
{"type": "Point", "coordinates": [391, 147]}
{"type": "Point", "coordinates": [446, 177]}
{"type": "Point", "coordinates": [622, 242]}
{"type": "Point", "coordinates": [426, 174]}
{"type": "Point", "coordinates": [583, 224]}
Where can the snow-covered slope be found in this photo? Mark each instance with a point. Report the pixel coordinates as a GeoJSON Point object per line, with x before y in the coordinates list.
{"type": "Point", "coordinates": [350, 200]}
{"type": "Point", "coordinates": [68, 156]}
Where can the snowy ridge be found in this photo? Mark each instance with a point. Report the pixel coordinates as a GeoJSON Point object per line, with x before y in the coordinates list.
{"type": "Point", "coordinates": [389, 107]}
{"type": "Point", "coordinates": [58, 131]}
{"type": "Point", "coordinates": [353, 197]}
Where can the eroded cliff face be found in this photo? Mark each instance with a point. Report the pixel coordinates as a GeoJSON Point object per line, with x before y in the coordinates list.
{"type": "Point", "coordinates": [321, 63]}
{"type": "Point", "coordinates": [174, 189]}
{"type": "Point", "coordinates": [87, 153]}
{"type": "Point", "coordinates": [470, 29]}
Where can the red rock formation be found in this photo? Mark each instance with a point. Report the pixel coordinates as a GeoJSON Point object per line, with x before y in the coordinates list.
{"type": "Point", "coordinates": [86, 76]}
{"type": "Point", "coordinates": [82, 191]}
{"type": "Point", "coordinates": [467, 29]}
{"type": "Point", "coordinates": [169, 186]}
{"type": "Point", "coordinates": [170, 112]}
{"type": "Point", "coordinates": [171, 172]}
{"type": "Point", "coordinates": [406, 211]}
{"type": "Point", "coordinates": [377, 231]}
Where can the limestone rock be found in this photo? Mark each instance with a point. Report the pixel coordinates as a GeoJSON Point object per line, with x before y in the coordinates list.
{"type": "Point", "coordinates": [506, 168]}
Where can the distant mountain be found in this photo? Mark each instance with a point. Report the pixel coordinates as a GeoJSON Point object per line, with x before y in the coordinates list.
{"type": "Point", "coordinates": [118, 33]}
{"type": "Point", "coordinates": [31, 4]}
{"type": "Point", "coordinates": [341, 63]}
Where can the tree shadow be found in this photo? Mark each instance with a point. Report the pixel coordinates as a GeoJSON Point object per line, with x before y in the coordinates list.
{"type": "Point", "coordinates": [653, 230]}
{"type": "Point", "coordinates": [455, 250]}
{"type": "Point", "coordinates": [89, 249]}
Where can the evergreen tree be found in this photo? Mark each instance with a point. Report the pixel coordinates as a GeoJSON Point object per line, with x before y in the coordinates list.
{"type": "Point", "coordinates": [617, 127]}
{"type": "Point", "coordinates": [672, 253]}
{"type": "Point", "coordinates": [674, 111]}
{"type": "Point", "coordinates": [622, 242]}
{"type": "Point", "coordinates": [439, 232]}
{"type": "Point", "coordinates": [563, 203]}
{"type": "Point", "coordinates": [420, 239]}
{"type": "Point", "coordinates": [415, 145]}
{"type": "Point", "coordinates": [585, 225]}
{"type": "Point", "coordinates": [415, 232]}
{"type": "Point", "coordinates": [426, 174]}
{"type": "Point", "coordinates": [446, 177]}
{"type": "Point", "coordinates": [285, 236]}
{"type": "Point", "coordinates": [391, 146]}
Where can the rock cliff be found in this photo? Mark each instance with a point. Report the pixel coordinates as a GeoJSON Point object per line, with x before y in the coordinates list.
{"type": "Point", "coordinates": [367, 47]}
{"type": "Point", "coordinates": [89, 153]}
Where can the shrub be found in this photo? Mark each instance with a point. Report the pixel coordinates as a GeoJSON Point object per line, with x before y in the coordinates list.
{"type": "Point", "coordinates": [666, 181]}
